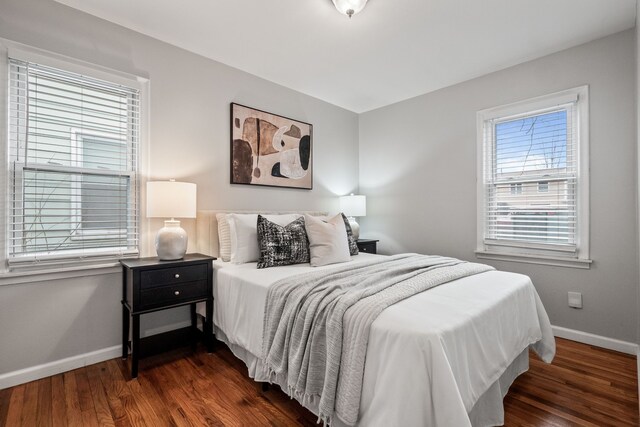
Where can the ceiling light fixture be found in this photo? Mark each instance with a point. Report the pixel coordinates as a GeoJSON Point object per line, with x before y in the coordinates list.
{"type": "Point", "coordinates": [349, 7]}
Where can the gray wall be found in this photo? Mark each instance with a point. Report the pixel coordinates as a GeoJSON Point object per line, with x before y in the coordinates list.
{"type": "Point", "coordinates": [418, 170]}
{"type": "Point", "coordinates": [189, 140]}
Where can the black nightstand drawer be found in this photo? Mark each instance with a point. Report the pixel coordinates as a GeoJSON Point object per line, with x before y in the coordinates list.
{"type": "Point", "coordinates": [368, 246]}
{"type": "Point", "coordinates": [172, 294]}
{"type": "Point", "coordinates": [169, 276]}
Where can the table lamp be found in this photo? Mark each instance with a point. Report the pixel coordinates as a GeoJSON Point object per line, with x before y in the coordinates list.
{"type": "Point", "coordinates": [171, 199]}
{"type": "Point", "coordinates": [353, 206]}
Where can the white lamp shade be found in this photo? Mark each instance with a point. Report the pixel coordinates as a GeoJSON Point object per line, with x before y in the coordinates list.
{"type": "Point", "coordinates": [344, 6]}
{"type": "Point", "coordinates": [353, 205]}
{"type": "Point", "coordinates": [171, 199]}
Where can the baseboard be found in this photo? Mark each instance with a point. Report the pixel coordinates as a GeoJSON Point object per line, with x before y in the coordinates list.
{"type": "Point", "coordinates": [33, 373]}
{"type": "Point", "coordinates": [597, 340]}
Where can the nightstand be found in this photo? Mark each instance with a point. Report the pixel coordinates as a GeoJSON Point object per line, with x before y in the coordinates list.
{"type": "Point", "coordinates": [149, 285]}
{"type": "Point", "coordinates": [368, 246]}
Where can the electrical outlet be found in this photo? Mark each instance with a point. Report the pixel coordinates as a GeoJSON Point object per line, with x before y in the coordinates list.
{"type": "Point", "coordinates": [575, 299]}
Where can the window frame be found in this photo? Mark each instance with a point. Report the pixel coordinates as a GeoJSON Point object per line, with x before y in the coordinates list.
{"type": "Point", "coordinates": [530, 252]}
{"type": "Point", "coordinates": [543, 187]}
{"type": "Point", "coordinates": [515, 188]}
{"type": "Point", "coordinates": [68, 265]}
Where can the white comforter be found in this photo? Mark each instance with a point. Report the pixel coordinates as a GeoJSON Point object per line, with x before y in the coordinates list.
{"type": "Point", "coordinates": [430, 357]}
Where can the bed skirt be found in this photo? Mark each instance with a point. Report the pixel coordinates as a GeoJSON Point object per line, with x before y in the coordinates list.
{"type": "Point", "coordinates": [488, 411]}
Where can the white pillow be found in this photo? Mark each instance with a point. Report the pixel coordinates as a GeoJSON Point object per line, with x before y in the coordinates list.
{"type": "Point", "coordinates": [224, 237]}
{"type": "Point", "coordinates": [328, 243]}
{"type": "Point", "coordinates": [244, 234]}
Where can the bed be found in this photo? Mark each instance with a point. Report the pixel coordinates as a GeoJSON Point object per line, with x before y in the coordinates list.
{"type": "Point", "coordinates": [444, 357]}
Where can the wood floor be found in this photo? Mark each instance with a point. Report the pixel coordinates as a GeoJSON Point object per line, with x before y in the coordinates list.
{"type": "Point", "coordinates": [585, 386]}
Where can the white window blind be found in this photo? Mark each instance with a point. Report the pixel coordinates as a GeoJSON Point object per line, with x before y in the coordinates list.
{"type": "Point", "coordinates": [531, 178]}
{"type": "Point", "coordinates": [73, 144]}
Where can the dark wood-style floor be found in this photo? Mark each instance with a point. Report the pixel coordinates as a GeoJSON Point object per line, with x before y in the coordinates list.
{"type": "Point", "coordinates": [585, 386]}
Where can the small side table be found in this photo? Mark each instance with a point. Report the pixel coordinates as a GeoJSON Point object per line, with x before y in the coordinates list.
{"type": "Point", "coordinates": [149, 285]}
{"type": "Point", "coordinates": [368, 246]}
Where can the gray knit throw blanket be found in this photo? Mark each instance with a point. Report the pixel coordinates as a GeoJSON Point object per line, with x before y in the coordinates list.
{"type": "Point", "coordinates": [316, 325]}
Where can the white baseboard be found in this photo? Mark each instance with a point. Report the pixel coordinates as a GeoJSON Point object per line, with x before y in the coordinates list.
{"type": "Point", "coordinates": [33, 373]}
{"type": "Point", "coordinates": [638, 372]}
{"type": "Point", "coordinates": [597, 340]}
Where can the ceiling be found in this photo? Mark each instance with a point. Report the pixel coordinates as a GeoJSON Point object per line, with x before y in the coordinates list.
{"type": "Point", "coordinates": [391, 51]}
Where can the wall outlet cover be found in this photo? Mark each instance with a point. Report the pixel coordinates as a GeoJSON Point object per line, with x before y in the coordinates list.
{"type": "Point", "coordinates": [575, 299]}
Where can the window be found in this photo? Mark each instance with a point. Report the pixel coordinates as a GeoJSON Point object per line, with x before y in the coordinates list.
{"type": "Point", "coordinates": [516, 188]}
{"type": "Point", "coordinates": [73, 144]}
{"type": "Point", "coordinates": [543, 187]}
{"type": "Point", "coordinates": [95, 197]}
{"type": "Point", "coordinates": [533, 179]}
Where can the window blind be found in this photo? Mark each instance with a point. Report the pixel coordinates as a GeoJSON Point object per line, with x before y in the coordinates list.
{"type": "Point", "coordinates": [531, 179]}
{"type": "Point", "coordinates": [73, 143]}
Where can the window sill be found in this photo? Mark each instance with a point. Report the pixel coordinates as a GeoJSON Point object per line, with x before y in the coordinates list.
{"type": "Point", "coordinates": [536, 259]}
{"type": "Point", "coordinates": [48, 274]}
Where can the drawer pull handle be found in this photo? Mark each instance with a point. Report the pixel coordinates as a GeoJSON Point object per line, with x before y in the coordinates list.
{"type": "Point", "coordinates": [176, 293]}
{"type": "Point", "coordinates": [177, 276]}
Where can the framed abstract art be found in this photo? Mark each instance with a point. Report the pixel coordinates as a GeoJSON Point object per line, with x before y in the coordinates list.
{"type": "Point", "coordinates": [268, 149]}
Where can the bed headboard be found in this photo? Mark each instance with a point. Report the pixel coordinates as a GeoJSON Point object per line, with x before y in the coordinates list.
{"type": "Point", "coordinates": [207, 228]}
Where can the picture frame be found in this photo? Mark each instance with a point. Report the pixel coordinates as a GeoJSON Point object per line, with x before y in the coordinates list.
{"type": "Point", "coordinates": [270, 150]}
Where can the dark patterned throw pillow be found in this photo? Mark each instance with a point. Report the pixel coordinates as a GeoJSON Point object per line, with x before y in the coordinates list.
{"type": "Point", "coordinates": [353, 245]}
{"type": "Point", "coordinates": [282, 245]}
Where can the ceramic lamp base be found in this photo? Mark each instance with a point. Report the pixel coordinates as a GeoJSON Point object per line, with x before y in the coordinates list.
{"type": "Point", "coordinates": [355, 228]}
{"type": "Point", "coordinates": [171, 241]}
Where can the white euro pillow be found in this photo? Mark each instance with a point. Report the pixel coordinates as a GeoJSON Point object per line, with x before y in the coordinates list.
{"type": "Point", "coordinates": [328, 243]}
{"type": "Point", "coordinates": [224, 236]}
{"type": "Point", "coordinates": [243, 229]}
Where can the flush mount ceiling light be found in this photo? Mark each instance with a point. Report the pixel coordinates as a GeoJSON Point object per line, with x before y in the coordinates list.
{"type": "Point", "coordinates": [349, 7]}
